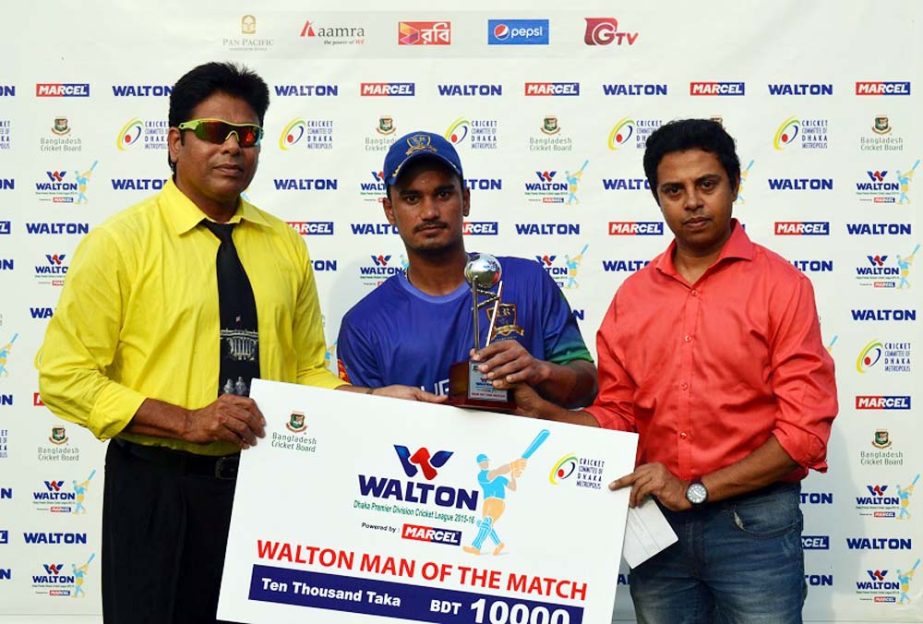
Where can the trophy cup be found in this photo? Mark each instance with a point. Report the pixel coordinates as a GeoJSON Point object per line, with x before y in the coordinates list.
{"type": "Point", "coordinates": [468, 387]}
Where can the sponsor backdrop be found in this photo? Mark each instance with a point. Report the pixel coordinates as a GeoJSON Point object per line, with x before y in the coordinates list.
{"type": "Point", "coordinates": [549, 109]}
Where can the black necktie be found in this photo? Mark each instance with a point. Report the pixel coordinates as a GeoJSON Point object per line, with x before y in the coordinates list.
{"type": "Point", "coordinates": [240, 355]}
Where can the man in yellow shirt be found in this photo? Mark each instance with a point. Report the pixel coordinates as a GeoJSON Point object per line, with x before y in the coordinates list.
{"type": "Point", "coordinates": [169, 310]}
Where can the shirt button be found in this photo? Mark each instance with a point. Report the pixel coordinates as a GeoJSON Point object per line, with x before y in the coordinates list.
{"type": "Point", "coordinates": [687, 339]}
{"type": "Point", "coordinates": [682, 435]}
{"type": "Point", "coordinates": [694, 293]}
{"type": "Point", "coordinates": [684, 386]}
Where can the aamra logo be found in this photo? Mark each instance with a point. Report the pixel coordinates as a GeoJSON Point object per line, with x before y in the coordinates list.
{"type": "Point", "coordinates": [563, 469]}
{"type": "Point", "coordinates": [421, 460]}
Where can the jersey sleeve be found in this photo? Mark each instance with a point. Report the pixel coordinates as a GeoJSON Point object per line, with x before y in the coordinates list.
{"type": "Point", "coordinates": [357, 361]}
{"type": "Point", "coordinates": [562, 340]}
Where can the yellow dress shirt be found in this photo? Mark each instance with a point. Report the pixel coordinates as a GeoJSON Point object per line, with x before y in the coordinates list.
{"type": "Point", "coordinates": [138, 316]}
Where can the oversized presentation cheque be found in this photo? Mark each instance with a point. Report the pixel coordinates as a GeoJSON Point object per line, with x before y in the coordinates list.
{"type": "Point", "coordinates": [358, 508]}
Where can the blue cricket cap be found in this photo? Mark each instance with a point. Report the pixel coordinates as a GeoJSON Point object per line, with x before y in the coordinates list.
{"type": "Point", "coordinates": [415, 145]}
{"type": "Point", "coordinates": [482, 458]}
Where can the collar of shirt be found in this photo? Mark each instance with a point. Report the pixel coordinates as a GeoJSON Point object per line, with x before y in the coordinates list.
{"type": "Point", "coordinates": [184, 215]}
{"type": "Point", "coordinates": [737, 247]}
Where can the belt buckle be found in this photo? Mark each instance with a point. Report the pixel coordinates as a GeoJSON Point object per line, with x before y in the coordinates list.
{"type": "Point", "coordinates": [226, 467]}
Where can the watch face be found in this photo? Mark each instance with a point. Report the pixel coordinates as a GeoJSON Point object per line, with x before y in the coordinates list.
{"type": "Point", "coordinates": [696, 493]}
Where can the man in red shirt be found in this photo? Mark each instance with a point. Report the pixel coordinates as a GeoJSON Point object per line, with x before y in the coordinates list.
{"type": "Point", "coordinates": [713, 354]}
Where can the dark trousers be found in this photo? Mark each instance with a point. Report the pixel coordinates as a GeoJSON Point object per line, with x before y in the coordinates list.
{"type": "Point", "coordinates": [164, 536]}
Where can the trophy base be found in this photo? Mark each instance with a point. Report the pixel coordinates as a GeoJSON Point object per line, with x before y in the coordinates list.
{"type": "Point", "coordinates": [470, 389]}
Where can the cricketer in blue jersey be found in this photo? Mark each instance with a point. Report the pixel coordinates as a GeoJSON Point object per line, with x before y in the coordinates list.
{"type": "Point", "coordinates": [415, 325]}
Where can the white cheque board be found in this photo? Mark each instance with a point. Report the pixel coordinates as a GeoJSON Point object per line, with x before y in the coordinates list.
{"type": "Point", "coordinates": [357, 508]}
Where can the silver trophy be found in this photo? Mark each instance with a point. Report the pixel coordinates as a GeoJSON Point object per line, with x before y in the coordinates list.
{"type": "Point", "coordinates": [468, 387]}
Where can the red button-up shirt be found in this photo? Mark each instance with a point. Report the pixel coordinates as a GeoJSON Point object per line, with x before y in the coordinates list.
{"type": "Point", "coordinates": [706, 372]}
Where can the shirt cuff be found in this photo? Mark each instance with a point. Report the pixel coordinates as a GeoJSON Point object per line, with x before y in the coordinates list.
{"type": "Point", "coordinates": [113, 410]}
{"type": "Point", "coordinates": [805, 449]}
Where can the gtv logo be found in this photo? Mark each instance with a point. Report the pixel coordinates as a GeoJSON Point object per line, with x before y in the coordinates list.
{"type": "Point", "coordinates": [426, 462]}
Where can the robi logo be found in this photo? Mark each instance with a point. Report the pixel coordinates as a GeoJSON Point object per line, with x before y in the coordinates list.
{"type": "Point", "coordinates": [54, 569]}
{"type": "Point", "coordinates": [427, 463]}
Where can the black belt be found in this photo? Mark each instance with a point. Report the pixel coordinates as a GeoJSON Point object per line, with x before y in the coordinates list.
{"type": "Point", "coordinates": [218, 467]}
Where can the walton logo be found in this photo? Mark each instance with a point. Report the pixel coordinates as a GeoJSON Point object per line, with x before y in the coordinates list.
{"type": "Point", "coordinates": [381, 260]}
{"type": "Point", "coordinates": [53, 569]}
{"type": "Point", "coordinates": [878, 575]}
{"type": "Point", "coordinates": [54, 486]}
{"type": "Point", "coordinates": [56, 176]}
{"type": "Point", "coordinates": [413, 492]}
{"type": "Point", "coordinates": [422, 458]}
{"type": "Point", "coordinates": [877, 490]}
{"type": "Point", "coordinates": [55, 259]}
{"type": "Point", "coordinates": [877, 176]}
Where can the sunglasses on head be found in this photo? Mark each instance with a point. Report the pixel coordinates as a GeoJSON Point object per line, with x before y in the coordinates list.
{"type": "Point", "coordinates": [218, 131]}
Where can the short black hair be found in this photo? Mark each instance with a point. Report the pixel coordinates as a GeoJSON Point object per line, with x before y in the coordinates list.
{"type": "Point", "coordinates": [200, 83]}
{"type": "Point", "coordinates": [685, 134]}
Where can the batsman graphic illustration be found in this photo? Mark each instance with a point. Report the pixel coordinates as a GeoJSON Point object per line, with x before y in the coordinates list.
{"type": "Point", "coordinates": [494, 484]}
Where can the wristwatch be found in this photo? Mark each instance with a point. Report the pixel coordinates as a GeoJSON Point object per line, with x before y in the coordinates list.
{"type": "Point", "coordinates": [696, 493]}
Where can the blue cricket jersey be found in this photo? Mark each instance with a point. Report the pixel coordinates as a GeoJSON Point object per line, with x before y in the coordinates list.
{"type": "Point", "coordinates": [398, 334]}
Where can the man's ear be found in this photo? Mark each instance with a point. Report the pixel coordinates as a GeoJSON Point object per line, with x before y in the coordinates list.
{"type": "Point", "coordinates": [388, 208]}
{"type": "Point", "coordinates": [174, 143]}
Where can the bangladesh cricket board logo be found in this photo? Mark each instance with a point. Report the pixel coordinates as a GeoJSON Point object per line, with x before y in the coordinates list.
{"type": "Point", "coordinates": [296, 422]}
